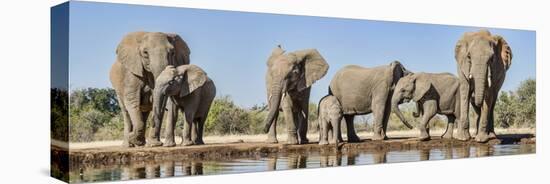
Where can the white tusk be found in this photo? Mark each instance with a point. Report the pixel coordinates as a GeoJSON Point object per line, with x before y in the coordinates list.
{"type": "Point", "coordinates": [470, 76]}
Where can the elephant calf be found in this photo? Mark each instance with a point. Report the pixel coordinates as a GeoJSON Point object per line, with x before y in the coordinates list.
{"type": "Point", "coordinates": [330, 116]}
{"type": "Point", "coordinates": [191, 91]}
{"type": "Point", "coordinates": [433, 93]}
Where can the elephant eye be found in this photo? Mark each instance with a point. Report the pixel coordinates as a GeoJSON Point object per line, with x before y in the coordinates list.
{"type": "Point", "coordinates": [145, 54]}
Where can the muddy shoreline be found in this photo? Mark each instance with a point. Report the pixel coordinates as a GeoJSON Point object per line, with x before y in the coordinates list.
{"type": "Point", "coordinates": [98, 157]}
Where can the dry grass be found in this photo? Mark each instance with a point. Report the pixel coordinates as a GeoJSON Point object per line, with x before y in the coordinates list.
{"type": "Point", "coordinates": [282, 137]}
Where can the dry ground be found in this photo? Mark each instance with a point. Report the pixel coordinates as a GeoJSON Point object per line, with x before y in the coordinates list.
{"type": "Point", "coordinates": [281, 137]}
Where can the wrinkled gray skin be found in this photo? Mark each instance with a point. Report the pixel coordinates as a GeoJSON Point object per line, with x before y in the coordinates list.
{"type": "Point", "coordinates": [433, 93]}
{"type": "Point", "coordinates": [190, 90]}
{"type": "Point", "coordinates": [141, 56]}
{"type": "Point", "coordinates": [367, 90]}
{"type": "Point", "coordinates": [330, 116]}
{"type": "Point", "coordinates": [288, 79]}
{"type": "Point", "coordinates": [482, 61]}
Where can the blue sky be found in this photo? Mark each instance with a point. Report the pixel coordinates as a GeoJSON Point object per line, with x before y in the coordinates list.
{"type": "Point", "coordinates": [232, 47]}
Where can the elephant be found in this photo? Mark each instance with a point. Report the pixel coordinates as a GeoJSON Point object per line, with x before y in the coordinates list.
{"type": "Point", "coordinates": [363, 90]}
{"type": "Point", "coordinates": [329, 117]}
{"type": "Point", "coordinates": [141, 56]}
{"type": "Point", "coordinates": [191, 90]}
{"type": "Point", "coordinates": [289, 78]}
{"type": "Point", "coordinates": [482, 62]}
{"type": "Point", "coordinates": [433, 93]}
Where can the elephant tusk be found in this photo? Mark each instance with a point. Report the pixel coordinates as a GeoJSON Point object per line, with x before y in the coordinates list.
{"type": "Point", "coordinates": [470, 76]}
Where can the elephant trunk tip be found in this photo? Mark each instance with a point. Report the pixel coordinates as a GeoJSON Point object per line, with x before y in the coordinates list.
{"type": "Point", "coordinates": [266, 127]}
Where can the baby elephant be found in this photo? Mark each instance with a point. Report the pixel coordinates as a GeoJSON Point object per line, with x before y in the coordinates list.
{"type": "Point", "coordinates": [434, 93]}
{"type": "Point", "coordinates": [330, 115]}
{"type": "Point", "coordinates": [189, 89]}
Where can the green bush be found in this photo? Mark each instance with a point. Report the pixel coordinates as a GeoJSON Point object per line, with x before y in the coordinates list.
{"type": "Point", "coordinates": [517, 108]}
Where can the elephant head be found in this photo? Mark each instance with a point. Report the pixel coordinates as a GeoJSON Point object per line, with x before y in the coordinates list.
{"type": "Point", "coordinates": [476, 53]}
{"type": "Point", "coordinates": [292, 71]}
{"type": "Point", "coordinates": [407, 89]}
{"type": "Point", "coordinates": [142, 52]}
{"type": "Point", "coordinates": [175, 82]}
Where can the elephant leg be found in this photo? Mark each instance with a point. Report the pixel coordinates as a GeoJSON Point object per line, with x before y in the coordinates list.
{"type": "Point", "coordinates": [491, 119]}
{"type": "Point", "coordinates": [290, 119]}
{"type": "Point", "coordinates": [378, 110]}
{"type": "Point", "coordinates": [463, 133]}
{"type": "Point", "coordinates": [430, 109]}
{"type": "Point", "coordinates": [483, 129]}
{"type": "Point", "coordinates": [302, 116]}
{"type": "Point", "coordinates": [187, 128]}
{"type": "Point", "coordinates": [127, 124]}
{"type": "Point", "coordinates": [477, 114]}
{"type": "Point", "coordinates": [196, 134]}
{"type": "Point", "coordinates": [171, 119]}
{"type": "Point", "coordinates": [339, 124]}
{"type": "Point", "coordinates": [200, 130]}
{"type": "Point", "coordinates": [272, 135]}
{"type": "Point", "coordinates": [352, 137]}
{"type": "Point", "coordinates": [137, 136]}
{"type": "Point", "coordinates": [323, 133]}
{"type": "Point", "coordinates": [450, 127]}
{"type": "Point", "coordinates": [335, 122]}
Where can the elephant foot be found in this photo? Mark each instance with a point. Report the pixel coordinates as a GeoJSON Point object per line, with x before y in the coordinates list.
{"type": "Point", "coordinates": [198, 142]}
{"type": "Point", "coordinates": [482, 137]}
{"type": "Point", "coordinates": [353, 138]}
{"type": "Point", "coordinates": [304, 141]}
{"type": "Point", "coordinates": [136, 142]}
{"type": "Point", "coordinates": [424, 138]}
{"type": "Point", "coordinates": [462, 135]}
{"type": "Point", "coordinates": [271, 140]}
{"type": "Point", "coordinates": [447, 135]}
{"type": "Point", "coordinates": [169, 144]}
{"type": "Point", "coordinates": [323, 142]}
{"type": "Point", "coordinates": [187, 143]}
{"type": "Point", "coordinates": [154, 143]}
{"type": "Point", "coordinates": [378, 137]}
{"type": "Point", "coordinates": [292, 141]}
{"type": "Point", "coordinates": [126, 144]}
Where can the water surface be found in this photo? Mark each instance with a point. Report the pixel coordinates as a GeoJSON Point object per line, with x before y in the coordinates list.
{"type": "Point", "coordinates": [284, 161]}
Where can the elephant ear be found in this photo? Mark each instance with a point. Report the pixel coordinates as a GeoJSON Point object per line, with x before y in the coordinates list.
{"type": "Point", "coordinates": [505, 51]}
{"type": "Point", "coordinates": [420, 88]}
{"type": "Point", "coordinates": [397, 71]}
{"type": "Point", "coordinates": [193, 78]}
{"type": "Point", "coordinates": [461, 54]}
{"type": "Point", "coordinates": [181, 50]}
{"type": "Point", "coordinates": [277, 51]}
{"type": "Point", "coordinates": [129, 53]}
{"type": "Point", "coordinates": [315, 66]}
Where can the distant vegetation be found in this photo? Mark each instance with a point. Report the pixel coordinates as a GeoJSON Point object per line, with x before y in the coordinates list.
{"type": "Point", "coordinates": [95, 115]}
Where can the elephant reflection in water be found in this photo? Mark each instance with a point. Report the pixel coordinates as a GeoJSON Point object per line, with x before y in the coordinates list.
{"type": "Point", "coordinates": [133, 172]}
{"type": "Point", "coordinates": [379, 156]}
{"type": "Point", "coordinates": [297, 161]}
{"type": "Point", "coordinates": [484, 150]}
{"type": "Point", "coordinates": [168, 168]}
{"type": "Point", "coordinates": [272, 163]}
{"type": "Point", "coordinates": [457, 152]}
{"type": "Point", "coordinates": [192, 168]}
{"type": "Point", "coordinates": [328, 160]}
{"type": "Point", "coordinates": [152, 171]}
{"type": "Point", "coordinates": [424, 154]}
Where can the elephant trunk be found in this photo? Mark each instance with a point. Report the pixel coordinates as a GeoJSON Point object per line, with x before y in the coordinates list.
{"type": "Point", "coordinates": [479, 77]}
{"type": "Point", "coordinates": [159, 105]}
{"type": "Point", "coordinates": [396, 98]}
{"type": "Point", "coordinates": [274, 103]}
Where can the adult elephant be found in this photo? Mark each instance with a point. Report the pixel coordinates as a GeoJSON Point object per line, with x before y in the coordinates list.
{"type": "Point", "coordinates": [288, 79]}
{"type": "Point", "coordinates": [482, 61]}
{"type": "Point", "coordinates": [192, 91]}
{"type": "Point", "coordinates": [367, 90]}
{"type": "Point", "coordinates": [141, 56]}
